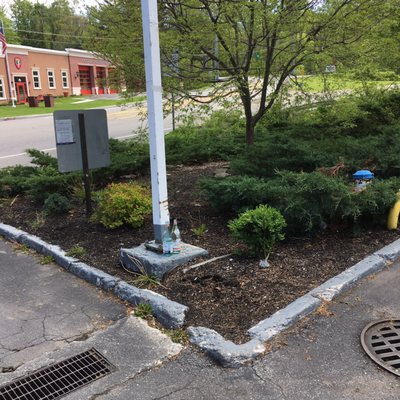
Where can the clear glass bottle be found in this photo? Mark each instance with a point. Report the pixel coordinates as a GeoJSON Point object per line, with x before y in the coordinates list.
{"type": "Point", "coordinates": [167, 242]}
{"type": "Point", "coordinates": [176, 238]}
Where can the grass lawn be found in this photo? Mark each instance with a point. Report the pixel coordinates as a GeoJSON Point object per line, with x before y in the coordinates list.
{"type": "Point", "coordinates": [60, 103]}
{"type": "Point", "coordinates": [333, 82]}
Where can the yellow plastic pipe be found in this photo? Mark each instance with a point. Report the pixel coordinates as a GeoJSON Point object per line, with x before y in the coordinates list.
{"type": "Point", "coordinates": [393, 218]}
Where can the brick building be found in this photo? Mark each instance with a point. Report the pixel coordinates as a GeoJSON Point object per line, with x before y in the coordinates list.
{"type": "Point", "coordinates": [35, 72]}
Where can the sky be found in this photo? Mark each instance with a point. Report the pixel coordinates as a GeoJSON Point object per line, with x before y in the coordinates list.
{"type": "Point", "coordinates": [81, 3]}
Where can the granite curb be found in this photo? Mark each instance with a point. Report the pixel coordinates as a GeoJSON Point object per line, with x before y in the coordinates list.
{"type": "Point", "coordinates": [172, 314]}
{"type": "Point", "coordinates": [169, 313]}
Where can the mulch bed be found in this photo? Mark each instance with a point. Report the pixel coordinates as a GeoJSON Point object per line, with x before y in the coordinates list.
{"type": "Point", "coordinates": [228, 295]}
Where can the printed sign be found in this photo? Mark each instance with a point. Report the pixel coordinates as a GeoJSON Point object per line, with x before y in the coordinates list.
{"type": "Point", "coordinates": [330, 68]}
{"type": "Point", "coordinates": [64, 131]}
{"type": "Point", "coordinates": [18, 62]}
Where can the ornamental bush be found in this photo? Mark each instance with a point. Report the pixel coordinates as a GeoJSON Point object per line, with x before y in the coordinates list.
{"type": "Point", "coordinates": [308, 201]}
{"type": "Point", "coordinates": [122, 204]}
{"type": "Point", "coordinates": [56, 204]}
{"type": "Point", "coordinates": [259, 229]}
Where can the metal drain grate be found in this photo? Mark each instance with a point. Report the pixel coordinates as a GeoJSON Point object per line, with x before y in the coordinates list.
{"type": "Point", "coordinates": [381, 341]}
{"type": "Point", "coordinates": [58, 379]}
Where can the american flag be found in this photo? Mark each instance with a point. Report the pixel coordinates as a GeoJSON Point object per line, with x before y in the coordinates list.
{"type": "Point", "coordinates": [3, 42]}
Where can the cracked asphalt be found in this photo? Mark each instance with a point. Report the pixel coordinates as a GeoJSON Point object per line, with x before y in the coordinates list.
{"type": "Point", "coordinates": [47, 315]}
{"type": "Point", "coordinates": [43, 308]}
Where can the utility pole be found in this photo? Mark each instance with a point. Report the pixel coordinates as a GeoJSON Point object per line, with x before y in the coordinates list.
{"type": "Point", "coordinates": [155, 118]}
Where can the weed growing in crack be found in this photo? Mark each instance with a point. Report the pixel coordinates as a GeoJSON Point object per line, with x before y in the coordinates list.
{"type": "Point", "coordinates": [76, 251]}
{"type": "Point", "coordinates": [177, 335]}
{"type": "Point", "coordinates": [46, 260]}
{"type": "Point", "coordinates": [146, 281]}
{"type": "Point", "coordinates": [143, 279]}
{"type": "Point", "coordinates": [144, 311]}
{"type": "Point", "coordinates": [22, 247]}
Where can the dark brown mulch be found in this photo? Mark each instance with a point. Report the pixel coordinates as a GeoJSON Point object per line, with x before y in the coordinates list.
{"type": "Point", "coordinates": [228, 295]}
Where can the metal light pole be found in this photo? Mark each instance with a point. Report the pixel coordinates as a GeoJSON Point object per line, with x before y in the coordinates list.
{"type": "Point", "coordinates": [155, 118]}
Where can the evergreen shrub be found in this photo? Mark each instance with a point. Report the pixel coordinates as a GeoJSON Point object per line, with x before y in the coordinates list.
{"type": "Point", "coordinates": [308, 201]}
{"type": "Point", "coordinates": [259, 229]}
{"type": "Point", "coordinates": [56, 204]}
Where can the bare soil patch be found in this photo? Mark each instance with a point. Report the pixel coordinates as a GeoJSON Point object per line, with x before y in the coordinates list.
{"type": "Point", "coordinates": [229, 295]}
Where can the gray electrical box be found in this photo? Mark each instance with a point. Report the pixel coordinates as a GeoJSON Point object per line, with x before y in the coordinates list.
{"type": "Point", "coordinates": [68, 139]}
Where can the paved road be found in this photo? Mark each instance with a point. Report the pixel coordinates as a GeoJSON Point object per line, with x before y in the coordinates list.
{"type": "Point", "coordinates": [47, 315]}
{"type": "Point", "coordinates": [17, 135]}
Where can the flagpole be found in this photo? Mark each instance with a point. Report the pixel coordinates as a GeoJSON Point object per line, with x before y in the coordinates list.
{"type": "Point", "coordinates": [10, 85]}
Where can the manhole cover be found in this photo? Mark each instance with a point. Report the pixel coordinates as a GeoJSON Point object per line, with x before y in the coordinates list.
{"type": "Point", "coordinates": [381, 341]}
{"type": "Point", "coordinates": [58, 379]}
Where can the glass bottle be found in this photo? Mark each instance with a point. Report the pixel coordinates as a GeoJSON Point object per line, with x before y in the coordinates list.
{"type": "Point", "coordinates": [176, 238]}
{"type": "Point", "coordinates": [167, 243]}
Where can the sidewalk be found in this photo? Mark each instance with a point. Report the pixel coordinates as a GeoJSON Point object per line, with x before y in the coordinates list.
{"type": "Point", "coordinates": [43, 308]}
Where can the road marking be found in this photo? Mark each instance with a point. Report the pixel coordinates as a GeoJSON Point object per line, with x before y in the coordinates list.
{"type": "Point", "coordinates": [14, 155]}
{"type": "Point", "coordinates": [24, 154]}
{"type": "Point", "coordinates": [53, 148]}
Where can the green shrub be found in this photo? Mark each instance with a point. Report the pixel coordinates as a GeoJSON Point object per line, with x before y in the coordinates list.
{"type": "Point", "coordinates": [127, 157]}
{"type": "Point", "coordinates": [234, 194]}
{"type": "Point", "coordinates": [13, 180]}
{"type": "Point", "coordinates": [278, 151]}
{"type": "Point", "coordinates": [308, 201]}
{"type": "Point", "coordinates": [46, 182]}
{"type": "Point", "coordinates": [42, 159]}
{"type": "Point", "coordinates": [220, 137]}
{"type": "Point", "coordinates": [259, 229]}
{"type": "Point", "coordinates": [374, 203]}
{"type": "Point", "coordinates": [56, 204]}
{"type": "Point", "coordinates": [122, 204]}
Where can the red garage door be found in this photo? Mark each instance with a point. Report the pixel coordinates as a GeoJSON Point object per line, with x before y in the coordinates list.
{"type": "Point", "coordinates": [85, 80]}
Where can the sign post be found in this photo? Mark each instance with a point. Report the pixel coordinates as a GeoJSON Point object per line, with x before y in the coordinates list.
{"type": "Point", "coordinates": [85, 164]}
{"type": "Point", "coordinates": [155, 117]}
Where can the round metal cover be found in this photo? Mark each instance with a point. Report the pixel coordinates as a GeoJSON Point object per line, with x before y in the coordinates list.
{"type": "Point", "coordinates": [381, 341]}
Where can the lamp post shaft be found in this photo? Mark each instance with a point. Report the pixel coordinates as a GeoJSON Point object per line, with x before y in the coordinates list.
{"type": "Point", "coordinates": [155, 118]}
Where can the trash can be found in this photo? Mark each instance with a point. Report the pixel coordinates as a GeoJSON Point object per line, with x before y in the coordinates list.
{"type": "Point", "coordinates": [49, 101]}
{"type": "Point", "coordinates": [33, 101]}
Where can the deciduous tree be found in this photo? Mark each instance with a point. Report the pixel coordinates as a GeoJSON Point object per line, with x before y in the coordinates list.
{"type": "Point", "coordinates": [256, 45]}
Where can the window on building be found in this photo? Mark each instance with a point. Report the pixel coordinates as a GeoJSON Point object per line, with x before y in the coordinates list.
{"type": "Point", "coordinates": [64, 77]}
{"type": "Point", "coordinates": [2, 90]}
{"type": "Point", "coordinates": [36, 79]}
{"type": "Point", "coordinates": [50, 77]}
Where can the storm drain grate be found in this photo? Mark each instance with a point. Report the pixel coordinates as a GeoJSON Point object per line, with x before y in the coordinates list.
{"type": "Point", "coordinates": [58, 379]}
{"type": "Point", "coordinates": [381, 341]}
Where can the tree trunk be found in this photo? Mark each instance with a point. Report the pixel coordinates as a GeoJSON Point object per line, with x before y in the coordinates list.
{"type": "Point", "coordinates": [249, 131]}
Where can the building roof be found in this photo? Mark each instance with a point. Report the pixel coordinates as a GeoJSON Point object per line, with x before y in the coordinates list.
{"type": "Point", "coordinates": [24, 50]}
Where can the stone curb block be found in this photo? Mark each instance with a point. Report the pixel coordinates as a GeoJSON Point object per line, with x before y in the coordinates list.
{"type": "Point", "coordinates": [47, 249]}
{"type": "Point", "coordinates": [338, 284]}
{"type": "Point", "coordinates": [169, 313]}
{"type": "Point", "coordinates": [225, 352]}
{"type": "Point", "coordinates": [390, 252]}
{"type": "Point", "coordinates": [285, 317]}
{"type": "Point", "coordinates": [10, 233]}
{"type": "Point", "coordinates": [94, 276]}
